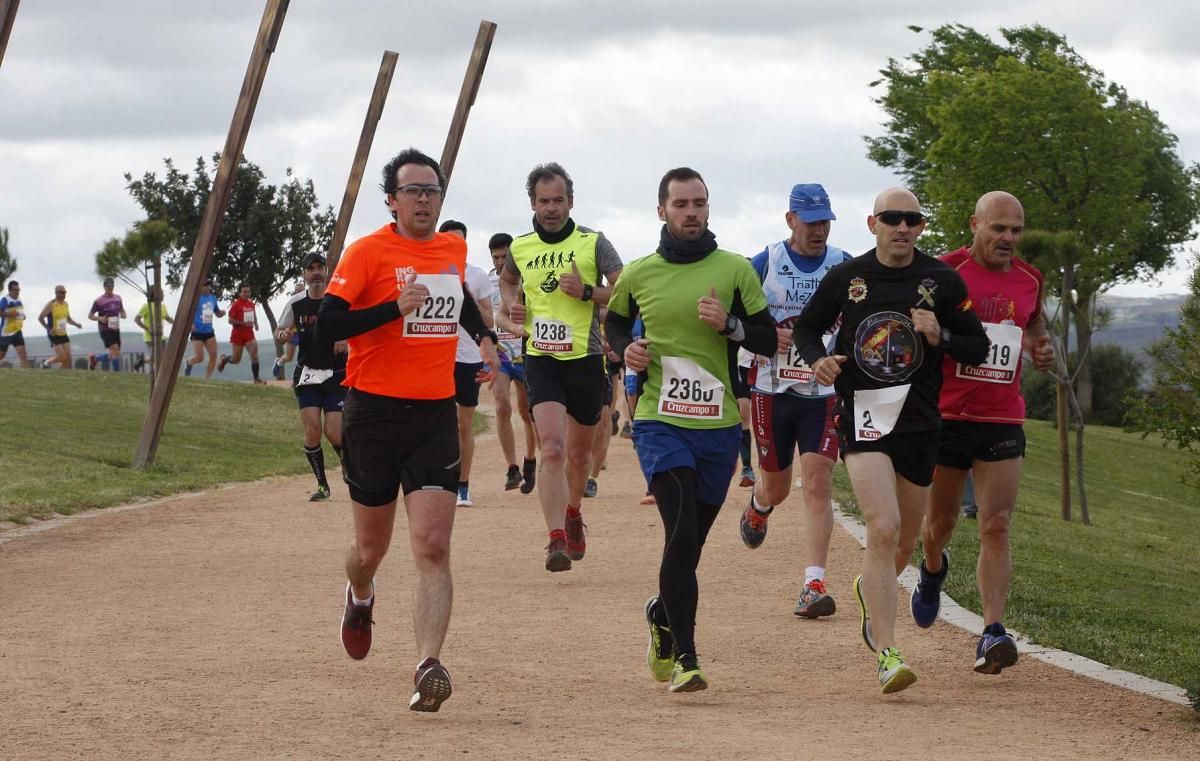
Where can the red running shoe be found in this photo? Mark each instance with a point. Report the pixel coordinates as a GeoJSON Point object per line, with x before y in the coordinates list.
{"type": "Point", "coordinates": [432, 686]}
{"type": "Point", "coordinates": [356, 627]}
{"type": "Point", "coordinates": [576, 543]}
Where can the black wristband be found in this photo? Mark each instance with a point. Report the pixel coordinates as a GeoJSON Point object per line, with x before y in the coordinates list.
{"type": "Point", "coordinates": [587, 293]}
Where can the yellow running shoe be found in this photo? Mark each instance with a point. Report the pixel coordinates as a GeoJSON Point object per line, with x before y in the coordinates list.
{"type": "Point", "coordinates": [660, 654]}
{"type": "Point", "coordinates": [687, 676]}
{"type": "Point", "coordinates": [894, 674]}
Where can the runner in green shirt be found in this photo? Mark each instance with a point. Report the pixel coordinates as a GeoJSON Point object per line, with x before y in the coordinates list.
{"type": "Point", "coordinates": [698, 304]}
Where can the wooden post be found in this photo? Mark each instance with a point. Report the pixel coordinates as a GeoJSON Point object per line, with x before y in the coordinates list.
{"type": "Point", "coordinates": [383, 82]}
{"type": "Point", "coordinates": [210, 228]}
{"type": "Point", "coordinates": [8, 12]}
{"type": "Point", "coordinates": [466, 96]}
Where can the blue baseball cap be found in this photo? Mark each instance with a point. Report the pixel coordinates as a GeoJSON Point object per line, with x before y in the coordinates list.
{"type": "Point", "coordinates": [810, 202]}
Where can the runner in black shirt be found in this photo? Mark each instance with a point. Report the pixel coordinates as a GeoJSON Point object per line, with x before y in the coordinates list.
{"type": "Point", "coordinates": [320, 370]}
{"type": "Point", "coordinates": [900, 311]}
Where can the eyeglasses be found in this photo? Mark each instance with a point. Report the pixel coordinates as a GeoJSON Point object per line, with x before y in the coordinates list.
{"type": "Point", "coordinates": [417, 190]}
{"type": "Point", "coordinates": [892, 217]}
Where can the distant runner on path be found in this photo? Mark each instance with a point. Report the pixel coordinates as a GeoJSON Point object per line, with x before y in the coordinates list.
{"type": "Point", "coordinates": [320, 372]}
{"type": "Point", "coordinates": [698, 304]}
{"type": "Point", "coordinates": [900, 312]}
{"type": "Point", "coordinates": [399, 426]}
{"type": "Point", "coordinates": [982, 416]}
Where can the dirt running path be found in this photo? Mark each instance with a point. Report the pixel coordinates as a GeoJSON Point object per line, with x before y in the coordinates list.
{"type": "Point", "coordinates": [206, 628]}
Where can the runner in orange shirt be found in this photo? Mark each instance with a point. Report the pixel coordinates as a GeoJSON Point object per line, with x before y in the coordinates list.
{"type": "Point", "coordinates": [399, 424]}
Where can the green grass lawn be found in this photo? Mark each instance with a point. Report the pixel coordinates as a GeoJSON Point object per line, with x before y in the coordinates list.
{"type": "Point", "coordinates": [69, 439]}
{"type": "Point", "coordinates": [1121, 591]}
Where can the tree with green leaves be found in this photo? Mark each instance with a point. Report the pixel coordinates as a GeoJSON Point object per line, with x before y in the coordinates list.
{"type": "Point", "coordinates": [1172, 406]}
{"type": "Point", "coordinates": [266, 231]}
{"type": "Point", "coordinates": [8, 263]}
{"type": "Point", "coordinates": [138, 253]}
{"type": "Point", "coordinates": [1029, 115]}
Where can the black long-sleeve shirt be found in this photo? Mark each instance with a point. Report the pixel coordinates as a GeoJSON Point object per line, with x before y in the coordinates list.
{"type": "Point", "coordinates": [875, 303]}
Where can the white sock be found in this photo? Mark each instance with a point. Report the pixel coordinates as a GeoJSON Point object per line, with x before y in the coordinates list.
{"type": "Point", "coordinates": [760, 507]}
{"type": "Point", "coordinates": [814, 573]}
{"type": "Point", "coordinates": [354, 598]}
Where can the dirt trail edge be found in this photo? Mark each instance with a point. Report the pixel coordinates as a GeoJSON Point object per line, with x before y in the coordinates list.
{"type": "Point", "coordinates": [205, 627]}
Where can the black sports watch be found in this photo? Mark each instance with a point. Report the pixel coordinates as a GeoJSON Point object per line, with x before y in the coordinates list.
{"type": "Point", "coordinates": [731, 324]}
{"type": "Point", "coordinates": [587, 293]}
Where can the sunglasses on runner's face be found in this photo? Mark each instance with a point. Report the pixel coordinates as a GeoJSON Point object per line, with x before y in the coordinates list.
{"type": "Point", "coordinates": [892, 217]}
{"type": "Point", "coordinates": [416, 190]}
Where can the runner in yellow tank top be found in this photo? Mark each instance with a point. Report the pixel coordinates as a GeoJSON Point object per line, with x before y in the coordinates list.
{"type": "Point", "coordinates": [55, 317]}
{"type": "Point", "coordinates": [558, 268]}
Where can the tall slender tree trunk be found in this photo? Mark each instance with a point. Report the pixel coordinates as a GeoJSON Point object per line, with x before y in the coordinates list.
{"type": "Point", "coordinates": [1083, 345]}
{"type": "Point", "coordinates": [1060, 395]}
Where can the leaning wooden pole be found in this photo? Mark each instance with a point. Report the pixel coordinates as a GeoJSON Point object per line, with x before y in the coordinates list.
{"type": "Point", "coordinates": [8, 12]}
{"type": "Point", "coordinates": [210, 228]}
{"type": "Point", "coordinates": [383, 82]}
{"type": "Point", "coordinates": [466, 97]}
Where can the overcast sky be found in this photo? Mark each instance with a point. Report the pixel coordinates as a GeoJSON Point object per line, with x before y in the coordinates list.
{"type": "Point", "coordinates": [755, 95]}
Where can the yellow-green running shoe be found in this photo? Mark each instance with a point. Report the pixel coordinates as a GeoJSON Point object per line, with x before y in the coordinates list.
{"type": "Point", "coordinates": [894, 674]}
{"type": "Point", "coordinates": [660, 654]}
{"type": "Point", "coordinates": [864, 617]}
{"type": "Point", "coordinates": [687, 676]}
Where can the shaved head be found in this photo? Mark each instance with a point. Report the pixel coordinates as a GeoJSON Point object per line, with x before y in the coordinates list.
{"type": "Point", "coordinates": [997, 225]}
{"type": "Point", "coordinates": [997, 202]}
{"type": "Point", "coordinates": [900, 199]}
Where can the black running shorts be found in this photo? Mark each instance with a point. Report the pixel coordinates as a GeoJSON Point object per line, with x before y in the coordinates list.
{"type": "Point", "coordinates": [389, 444]}
{"type": "Point", "coordinates": [110, 338]}
{"type": "Point", "coordinates": [466, 388]}
{"type": "Point", "coordinates": [577, 384]}
{"type": "Point", "coordinates": [913, 454]}
{"type": "Point", "coordinates": [963, 442]}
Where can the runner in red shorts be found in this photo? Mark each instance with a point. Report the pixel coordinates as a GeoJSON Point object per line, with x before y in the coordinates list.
{"type": "Point", "coordinates": [791, 410]}
{"type": "Point", "coordinates": [244, 321]}
{"type": "Point", "coordinates": [982, 412]}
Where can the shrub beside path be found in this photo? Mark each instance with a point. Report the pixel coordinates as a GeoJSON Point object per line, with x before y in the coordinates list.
{"type": "Point", "coordinates": [205, 627]}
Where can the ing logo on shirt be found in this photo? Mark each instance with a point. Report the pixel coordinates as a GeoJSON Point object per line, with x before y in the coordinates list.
{"type": "Point", "coordinates": [402, 274]}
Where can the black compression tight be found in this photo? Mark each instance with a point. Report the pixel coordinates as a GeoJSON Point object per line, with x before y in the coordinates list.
{"type": "Point", "coordinates": [686, 523]}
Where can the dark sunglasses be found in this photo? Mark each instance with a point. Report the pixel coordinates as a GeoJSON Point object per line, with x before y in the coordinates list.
{"type": "Point", "coordinates": [893, 217]}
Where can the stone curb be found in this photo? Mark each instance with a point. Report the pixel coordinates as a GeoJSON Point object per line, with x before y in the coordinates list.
{"type": "Point", "coordinates": [956, 615]}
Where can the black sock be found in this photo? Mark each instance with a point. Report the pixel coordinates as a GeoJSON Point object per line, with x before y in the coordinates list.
{"type": "Point", "coordinates": [529, 468]}
{"type": "Point", "coordinates": [337, 448]}
{"type": "Point", "coordinates": [513, 470]}
{"type": "Point", "coordinates": [995, 629]}
{"type": "Point", "coordinates": [254, 370]}
{"type": "Point", "coordinates": [464, 485]}
{"type": "Point", "coordinates": [745, 448]}
{"type": "Point", "coordinates": [316, 460]}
